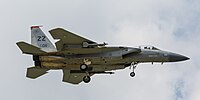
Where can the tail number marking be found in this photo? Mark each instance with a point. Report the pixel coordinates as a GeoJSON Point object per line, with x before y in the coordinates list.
{"type": "Point", "coordinates": [43, 45]}
{"type": "Point", "coordinates": [41, 38]}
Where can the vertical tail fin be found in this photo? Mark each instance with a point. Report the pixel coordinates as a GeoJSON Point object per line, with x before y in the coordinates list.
{"type": "Point", "coordinates": [39, 39]}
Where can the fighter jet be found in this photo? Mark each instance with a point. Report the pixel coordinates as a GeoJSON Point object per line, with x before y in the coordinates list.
{"type": "Point", "coordinates": [80, 58]}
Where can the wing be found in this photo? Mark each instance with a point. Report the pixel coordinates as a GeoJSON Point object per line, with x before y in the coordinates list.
{"type": "Point", "coordinates": [67, 38]}
{"type": "Point", "coordinates": [76, 76]}
{"type": "Point", "coordinates": [73, 78]}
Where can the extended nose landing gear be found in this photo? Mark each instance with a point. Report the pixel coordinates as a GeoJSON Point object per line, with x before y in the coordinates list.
{"type": "Point", "coordinates": [133, 66]}
{"type": "Point", "coordinates": [132, 74]}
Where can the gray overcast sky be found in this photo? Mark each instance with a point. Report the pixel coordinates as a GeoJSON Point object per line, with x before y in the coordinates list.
{"type": "Point", "coordinates": [172, 25]}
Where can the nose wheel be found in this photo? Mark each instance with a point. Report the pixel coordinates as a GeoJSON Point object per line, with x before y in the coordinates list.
{"type": "Point", "coordinates": [132, 74]}
{"type": "Point", "coordinates": [133, 66]}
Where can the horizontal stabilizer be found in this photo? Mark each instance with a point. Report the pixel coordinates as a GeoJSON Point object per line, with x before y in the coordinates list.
{"type": "Point", "coordinates": [34, 72]}
{"type": "Point", "coordinates": [29, 49]}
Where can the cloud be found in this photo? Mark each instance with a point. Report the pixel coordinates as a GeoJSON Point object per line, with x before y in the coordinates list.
{"type": "Point", "coordinates": [179, 91]}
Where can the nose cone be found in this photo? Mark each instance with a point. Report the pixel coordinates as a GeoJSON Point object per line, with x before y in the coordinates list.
{"type": "Point", "coordinates": [176, 57]}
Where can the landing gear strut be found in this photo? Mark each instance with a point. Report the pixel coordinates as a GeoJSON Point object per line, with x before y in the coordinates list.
{"type": "Point", "coordinates": [133, 66]}
{"type": "Point", "coordinates": [84, 67]}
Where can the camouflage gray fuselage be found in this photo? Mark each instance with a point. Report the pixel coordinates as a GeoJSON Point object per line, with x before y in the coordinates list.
{"type": "Point", "coordinates": [106, 58]}
{"type": "Point", "coordinates": [80, 58]}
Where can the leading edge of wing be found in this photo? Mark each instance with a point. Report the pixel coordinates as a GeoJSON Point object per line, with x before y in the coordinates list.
{"type": "Point", "coordinates": [68, 37]}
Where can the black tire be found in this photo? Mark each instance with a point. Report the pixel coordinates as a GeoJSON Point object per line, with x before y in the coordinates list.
{"type": "Point", "coordinates": [132, 74]}
{"type": "Point", "coordinates": [83, 67]}
{"type": "Point", "coordinates": [86, 79]}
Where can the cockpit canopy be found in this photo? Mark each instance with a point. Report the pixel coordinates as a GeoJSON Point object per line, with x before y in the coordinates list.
{"type": "Point", "coordinates": [149, 47]}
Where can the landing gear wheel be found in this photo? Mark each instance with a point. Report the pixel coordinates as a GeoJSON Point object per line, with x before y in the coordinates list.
{"type": "Point", "coordinates": [83, 67]}
{"type": "Point", "coordinates": [133, 66]}
{"type": "Point", "coordinates": [86, 79]}
{"type": "Point", "coordinates": [132, 74]}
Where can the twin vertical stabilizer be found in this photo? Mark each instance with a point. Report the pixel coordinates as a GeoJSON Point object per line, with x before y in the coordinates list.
{"type": "Point", "coordinates": [40, 40]}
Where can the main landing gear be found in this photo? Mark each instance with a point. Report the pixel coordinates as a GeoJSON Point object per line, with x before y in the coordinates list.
{"type": "Point", "coordinates": [133, 66]}
{"type": "Point", "coordinates": [84, 67]}
{"type": "Point", "coordinates": [86, 79]}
